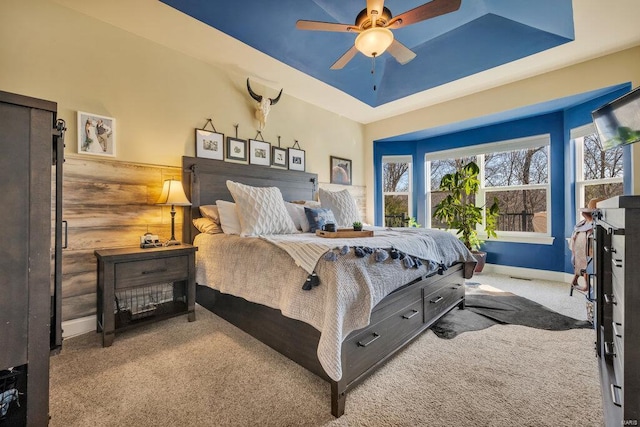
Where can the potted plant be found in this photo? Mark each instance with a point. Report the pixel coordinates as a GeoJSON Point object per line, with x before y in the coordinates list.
{"type": "Point", "coordinates": [357, 226]}
{"type": "Point", "coordinates": [459, 211]}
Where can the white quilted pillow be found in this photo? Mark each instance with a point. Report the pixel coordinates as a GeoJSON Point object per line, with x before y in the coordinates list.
{"type": "Point", "coordinates": [343, 206]}
{"type": "Point", "coordinates": [261, 210]}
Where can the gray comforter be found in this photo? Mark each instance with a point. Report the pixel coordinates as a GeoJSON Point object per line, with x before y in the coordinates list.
{"type": "Point", "coordinates": [271, 270]}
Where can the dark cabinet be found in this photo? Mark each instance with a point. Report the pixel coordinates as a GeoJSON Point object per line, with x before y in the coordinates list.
{"type": "Point", "coordinates": [617, 320]}
{"type": "Point", "coordinates": [30, 161]}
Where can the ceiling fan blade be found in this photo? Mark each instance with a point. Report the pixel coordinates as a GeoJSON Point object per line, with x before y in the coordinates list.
{"type": "Point", "coordinates": [344, 59]}
{"type": "Point", "coordinates": [402, 53]}
{"type": "Point", "coordinates": [426, 11]}
{"type": "Point", "coordinates": [377, 5]}
{"type": "Point", "coordinates": [325, 26]}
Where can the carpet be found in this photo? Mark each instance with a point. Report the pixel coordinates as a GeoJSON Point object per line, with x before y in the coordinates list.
{"type": "Point", "coordinates": [485, 307]}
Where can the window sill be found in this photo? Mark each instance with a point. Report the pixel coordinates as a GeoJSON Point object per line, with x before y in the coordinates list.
{"type": "Point", "coordinates": [529, 239]}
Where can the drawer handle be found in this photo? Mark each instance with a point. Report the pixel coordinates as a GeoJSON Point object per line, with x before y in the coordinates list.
{"type": "Point", "coordinates": [611, 250]}
{"type": "Point", "coordinates": [610, 299]}
{"type": "Point", "coordinates": [609, 350]}
{"type": "Point", "coordinates": [437, 300]}
{"type": "Point", "coordinates": [615, 393]}
{"type": "Point", "coordinates": [617, 263]}
{"type": "Point", "coordinates": [409, 316]}
{"type": "Point", "coordinates": [615, 329]}
{"type": "Point", "coordinates": [159, 270]}
{"type": "Point", "coordinates": [364, 344]}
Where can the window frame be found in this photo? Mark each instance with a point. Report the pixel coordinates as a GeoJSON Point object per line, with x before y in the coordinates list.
{"type": "Point", "coordinates": [479, 151]}
{"type": "Point", "coordinates": [577, 136]}
{"type": "Point", "coordinates": [397, 159]}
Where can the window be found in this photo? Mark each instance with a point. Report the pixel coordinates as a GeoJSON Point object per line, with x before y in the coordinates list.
{"type": "Point", "coordinates": [396, 190]}
{"type": "Point", "coordinates": [515, 172]}
{"type": "Point", "coordinates": [599, 173]}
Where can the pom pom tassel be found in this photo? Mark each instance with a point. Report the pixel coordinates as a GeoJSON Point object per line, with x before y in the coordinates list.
{"type": "Point", "coordinates": [381, 255]}
{"type": "Point", "coordinates": [312, 280]}
{"type": "Point", "coordinates": [330, 256]}
{"type": "Point", "coordinates": [407, 262]}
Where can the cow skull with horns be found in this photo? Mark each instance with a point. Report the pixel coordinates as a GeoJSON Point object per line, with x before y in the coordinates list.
{"type": "Point", "coordinates": [264, 105]}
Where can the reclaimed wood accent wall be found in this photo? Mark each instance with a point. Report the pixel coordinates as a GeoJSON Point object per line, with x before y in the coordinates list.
{"type": "Point", "coordinates": [107, 204]}
{"type": "Point", "coordinates": [110, 204]}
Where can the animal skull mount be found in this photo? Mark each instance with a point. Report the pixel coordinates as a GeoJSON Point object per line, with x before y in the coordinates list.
{"type": "Point", "coordinates": [264, 105]}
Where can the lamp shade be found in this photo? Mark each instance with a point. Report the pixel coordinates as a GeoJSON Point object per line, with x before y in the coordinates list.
{"type": "Point", "coordinates": [173, 194]}
{"type": "Point", "coordinates": [374, 41]}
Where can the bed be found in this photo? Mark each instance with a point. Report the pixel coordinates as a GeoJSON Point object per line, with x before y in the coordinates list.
{"type": "Point", "coordinates": [342, 348]}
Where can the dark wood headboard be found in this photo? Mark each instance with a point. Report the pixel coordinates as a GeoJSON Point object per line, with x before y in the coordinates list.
{"type": "Point", "coordinates": [205, 181]}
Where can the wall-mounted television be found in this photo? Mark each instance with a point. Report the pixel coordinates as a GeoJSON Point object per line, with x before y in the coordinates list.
{"type": "Point", "coordinates": [618, 122]}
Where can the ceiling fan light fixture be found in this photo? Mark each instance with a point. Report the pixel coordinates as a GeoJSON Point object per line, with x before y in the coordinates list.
{"type": "Point", "coordinates": [374, 41]}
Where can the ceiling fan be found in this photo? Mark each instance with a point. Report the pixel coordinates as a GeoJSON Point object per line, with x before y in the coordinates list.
{"type": "Point", "coordinates": [374, 25]}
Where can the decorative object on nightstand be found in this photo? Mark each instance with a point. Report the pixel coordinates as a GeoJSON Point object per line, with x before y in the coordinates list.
{"type": "Point", "coordinates": [357, 226]}
{"type": "Point", "coordinates": [173, 195]}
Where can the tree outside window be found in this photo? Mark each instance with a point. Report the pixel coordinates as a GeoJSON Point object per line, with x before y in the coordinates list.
{"type": "Point", "coordinates": [396, 190]}
{"type": "Point", "coordinates": [599, 173]}
{"type": "Point", "coordinates": [515, 172]}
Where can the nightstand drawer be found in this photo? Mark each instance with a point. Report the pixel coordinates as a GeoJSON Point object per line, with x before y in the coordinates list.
{"type": "Point", "coordinates": [135, 273]}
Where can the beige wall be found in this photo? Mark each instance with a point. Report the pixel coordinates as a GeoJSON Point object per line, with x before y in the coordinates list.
{"type": "Point", "coordinates": [606, 71]}
{"type": "Point", "coordinates": [157, 95]}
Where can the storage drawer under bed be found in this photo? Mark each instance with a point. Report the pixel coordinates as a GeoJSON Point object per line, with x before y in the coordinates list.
{"type": "Point", "coordinates": [364, 348]}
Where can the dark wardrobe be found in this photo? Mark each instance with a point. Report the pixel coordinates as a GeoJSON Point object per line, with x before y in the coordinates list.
{"type": "Point", "coordinates": [31, 157]}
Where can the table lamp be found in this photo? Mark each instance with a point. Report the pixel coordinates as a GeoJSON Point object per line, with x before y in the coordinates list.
{"type": "Point", "coordinates": [173, 195]}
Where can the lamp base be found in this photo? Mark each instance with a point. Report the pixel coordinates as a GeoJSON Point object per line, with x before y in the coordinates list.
{"type": "Point", "coordinates": [172, 242]}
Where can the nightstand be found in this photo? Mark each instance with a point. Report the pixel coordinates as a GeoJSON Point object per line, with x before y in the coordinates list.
{"type": "Point", "coordinates": [138, 286]}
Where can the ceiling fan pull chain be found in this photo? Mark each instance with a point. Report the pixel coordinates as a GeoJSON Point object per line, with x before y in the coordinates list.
{"type": "Point", "coordinates": [373, 71]}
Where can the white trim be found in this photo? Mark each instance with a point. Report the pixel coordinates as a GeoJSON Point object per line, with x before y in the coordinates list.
{"type": "Point", "coordinates": [581, 131]}
{"type": "Point", "coordinates": [397, 159]}
{"type": "Point", "coordinates": [527, 273]}
{"type": "Point", "coordinates": [491, 147]}
{"type": "Point", "coordinates": [75, 327]}
{"type": "Point", "coordinates": [521, 237]}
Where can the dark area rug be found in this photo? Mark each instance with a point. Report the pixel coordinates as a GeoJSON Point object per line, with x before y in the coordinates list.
{"type": "Point", "coordinates": [484, 309]}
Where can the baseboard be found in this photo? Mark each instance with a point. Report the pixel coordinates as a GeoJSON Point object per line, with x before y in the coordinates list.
{"type": "Point", "coordinates": [528, 273]}
{"type": "Point", "coordinates": [75, 327]}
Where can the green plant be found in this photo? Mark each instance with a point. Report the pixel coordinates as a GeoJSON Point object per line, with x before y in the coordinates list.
{"type": "Point", "coordinates": [357, 224]}
{"type": "Point", "coordinates": [459, 211]}
{"type": "Point", "coordinates": [412, 222]}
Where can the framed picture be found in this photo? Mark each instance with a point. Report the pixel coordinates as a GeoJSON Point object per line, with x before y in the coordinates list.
{"type": "Point", "coordinates": [279, 157]}
{"type": "Point", "coordinates": [209, 144]}
{"type": "Point", "coordinates": [236, 149]}
{"type": "Point", "coordinates": [259, 152]}
{"type": "Point", "coordinates": [340, 170]}
{"type": "Point", "coordinates": [296, 159]}
{"type": "Point", "coordinates": [96, 134]}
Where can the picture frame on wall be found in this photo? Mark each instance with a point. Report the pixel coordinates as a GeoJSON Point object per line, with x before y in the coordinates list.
{"type": "Point", "coordinates": [279, 157]}
{"type": "Point", "coordinates": [209, 145]}
{"type": "Point", "coordinates": [296, 159]}
{"type": "Point", "coordinates": [259, 152]}
{"type": "Point", "coordinates": [96, 134]}
{"type": "Point", "coordinates": [236, 149]}
{"type": "Point", "coordinates": [341, 170]}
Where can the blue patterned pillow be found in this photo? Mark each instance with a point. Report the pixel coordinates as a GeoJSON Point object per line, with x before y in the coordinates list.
{"type": "Point", "coordinates": [318, 217]}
